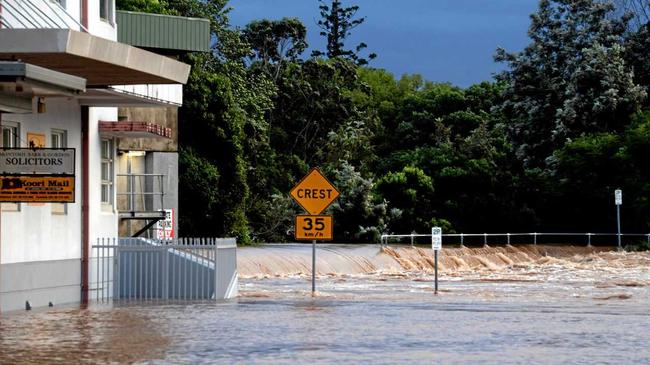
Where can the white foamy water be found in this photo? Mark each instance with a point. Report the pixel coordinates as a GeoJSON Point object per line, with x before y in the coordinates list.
{"type": "Point", "coordinates": [501, 305]}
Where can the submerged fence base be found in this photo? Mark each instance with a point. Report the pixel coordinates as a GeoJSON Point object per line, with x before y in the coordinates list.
{"type": "Point", "coordinates": [182, 269]}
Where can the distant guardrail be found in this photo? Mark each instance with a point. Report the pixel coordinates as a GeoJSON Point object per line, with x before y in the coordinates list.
{"type": "Point", "coordinates": [509, 237]}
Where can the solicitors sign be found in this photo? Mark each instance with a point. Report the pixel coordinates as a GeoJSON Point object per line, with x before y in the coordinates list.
{"type": "Point", "coordinates": [37, 161]}
{"type": "Point", "coordinates": [37, 175]}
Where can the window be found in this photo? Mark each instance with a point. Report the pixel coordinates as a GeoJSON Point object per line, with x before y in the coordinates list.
{"type": "Point", "coordinates": [107, 171]}
{"type": "Point", "coordinates": [10, 139]}
{"type": "Point", "coordinates": [106, 10]}
{"type": "Point", "coordinates": [10, 133]}
{"type": "Point", "coordinates": [59, 139]}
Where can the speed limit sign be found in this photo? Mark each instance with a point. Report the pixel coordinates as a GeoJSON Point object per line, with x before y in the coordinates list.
{"type": "Point", "coordinates": [314, 227]}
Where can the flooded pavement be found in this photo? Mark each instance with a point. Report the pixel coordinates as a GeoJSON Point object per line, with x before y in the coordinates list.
{"type": "Point", "coordinates": [532, 305]}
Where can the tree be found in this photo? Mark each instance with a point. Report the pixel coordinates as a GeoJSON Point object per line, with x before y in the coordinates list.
{"type": "Point", "coordinates": [274, 41]}
{"type": "Point", "coordinates": [336, 24]}
{"type": "Point", "coordinates": [571, 80]}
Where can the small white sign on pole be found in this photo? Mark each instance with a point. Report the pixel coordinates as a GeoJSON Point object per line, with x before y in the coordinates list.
{"type": "Point", "coordinates": [618, 197]}
{"type": "Point", "coordinates": [165, 227]}
{"type": "Point", "coordinates": [436, 238]}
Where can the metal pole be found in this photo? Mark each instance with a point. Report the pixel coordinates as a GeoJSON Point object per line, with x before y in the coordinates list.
{"type": "Point", "coordinates": [435, 254]}
{"type": "Point", "coordinates": [313, 267]}
{"type": "Point", "coordinates": [588, 239]}
{"type": "Point", "coordinates": [618, 221]}
{"type": "Point", "coordinates": [462, 243]}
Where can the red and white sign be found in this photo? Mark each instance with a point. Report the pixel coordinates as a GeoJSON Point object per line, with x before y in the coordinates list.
{"type": "Point", "coordinates": [165, 227]}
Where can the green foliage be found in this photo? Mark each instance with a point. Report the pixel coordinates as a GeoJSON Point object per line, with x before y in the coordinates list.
{"type": "Point", "coordinates": [199, 187]}
{"type": "Point", "coordinates": [410, 191]}
{"type": "Point", "coordinates": [571, 80]}
{"type": "Point", "coordinates": [542, 148]}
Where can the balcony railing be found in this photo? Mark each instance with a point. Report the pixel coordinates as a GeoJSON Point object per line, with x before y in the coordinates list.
{"type": "Point", "coordinates": [36, 14]}
{"type": "Point", "coordinates": [140, 195]}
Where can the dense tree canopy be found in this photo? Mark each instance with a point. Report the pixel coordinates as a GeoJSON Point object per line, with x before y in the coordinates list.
{"type": "Point", "coordinates": [540, 148]}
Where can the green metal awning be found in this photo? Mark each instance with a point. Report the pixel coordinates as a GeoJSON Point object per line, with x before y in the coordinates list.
{"type": "Point", "coordinates": [163, 31]}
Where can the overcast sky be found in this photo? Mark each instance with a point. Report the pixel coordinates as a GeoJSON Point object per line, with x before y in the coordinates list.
{"type": "Point", "coordinates": [444, 40]}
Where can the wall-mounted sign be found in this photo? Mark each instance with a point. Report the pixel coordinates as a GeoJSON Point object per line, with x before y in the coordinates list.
{"type": "Point", "coordinates": [314, 227]}
{"type": "Point", "coordinates": [165, 228]}
{"type": "Point", "coordinates": [37, 189]}
{"type": "Point", "coordinates": [35, 140]}
{"type": "Point", "coordinates": [39, 161]}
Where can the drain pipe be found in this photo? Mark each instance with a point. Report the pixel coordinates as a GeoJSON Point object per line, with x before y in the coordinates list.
{"type": "Point", "coordinates": [1, 145]}
{"type": "Point", "coordinates": [85, 219]}
{"type": "Point", "coordinates": [84, 13]}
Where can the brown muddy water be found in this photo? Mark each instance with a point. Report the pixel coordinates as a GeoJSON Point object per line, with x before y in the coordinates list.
{"type": "Point", "coordinates": [500, 305]}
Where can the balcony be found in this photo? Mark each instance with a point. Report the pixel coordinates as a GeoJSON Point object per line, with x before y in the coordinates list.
{"type": "Point", "coordinates": [141, 197]}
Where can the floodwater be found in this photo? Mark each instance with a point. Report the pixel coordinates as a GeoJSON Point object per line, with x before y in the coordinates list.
{"type": "Point", "coordinates": [501, 305]}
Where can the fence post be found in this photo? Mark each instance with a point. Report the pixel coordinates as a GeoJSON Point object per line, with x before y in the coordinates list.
{"type": "Point", "coordinates": [412, 242]}
{"type": "Point", "coordinates": [216, 269]}
{"type": "Point", "coordinates": [535, 238]}
{"type": "Point", "coordinates": [508, 234]}
{"type": "Point", "coordinates": [462, 241]}
{"type": "Point", "coordinates": [648, 238]}
{"type": "Point", "coordinates": [485, 239]}
{"type": "Point", "coordinates": [588, 239]}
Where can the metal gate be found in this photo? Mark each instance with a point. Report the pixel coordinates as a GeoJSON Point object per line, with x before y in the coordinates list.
{"type": "Point", "coordinates": [148, 269]}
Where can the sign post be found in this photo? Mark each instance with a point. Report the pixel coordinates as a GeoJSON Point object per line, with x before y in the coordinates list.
{"type": "Point", "coordinates": [314, 193]}
{"type": "Point", "coordinates": [618, 199]}
{"type": "Point", "coordinates": [436, 245]}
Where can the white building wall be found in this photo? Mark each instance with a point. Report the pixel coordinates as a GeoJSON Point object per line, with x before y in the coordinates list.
{"type": "Point", "coordinates": [103, 218]}
{"type": "Point", "coordinates": [34, 233]}
{"type": "Point", "coordinates": [100, 27]}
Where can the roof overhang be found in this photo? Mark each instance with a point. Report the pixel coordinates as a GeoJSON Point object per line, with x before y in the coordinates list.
{"type": "Point", "coordinates": [100, 61]}
{"type": "Point", "coordinates": [20, 82]}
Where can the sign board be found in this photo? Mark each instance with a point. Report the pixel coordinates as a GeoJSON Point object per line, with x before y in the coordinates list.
{"type": "Point", "coordinates": [39, 161]}
{"type": "Point", "coordinates": [165, 227]}
{"type": "Point", "coordinates": [35, 140]}
{"type": "Point", "coordinates": [314, 227]}
{"type": "Point", "coordinates": [618, 197]}
{"type": "Point", "coordinates": [37, 189]}
{"type": "Point", "coordinates": [436, 238]}
{"type": "Point", "coordinates": [314, 192]}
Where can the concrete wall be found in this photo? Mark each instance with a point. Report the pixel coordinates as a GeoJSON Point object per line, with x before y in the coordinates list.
{"type": "Point", "coordinates": [166, 163]}
{"type": "Point", "coordinates": [167, 117]}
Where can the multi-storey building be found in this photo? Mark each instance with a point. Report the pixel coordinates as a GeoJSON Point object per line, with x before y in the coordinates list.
{"type": "Point", "coordinates": [67, 81]}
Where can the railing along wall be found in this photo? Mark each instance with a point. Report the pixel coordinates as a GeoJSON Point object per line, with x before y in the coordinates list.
{"type": "Point", "coordinates": [182, 269]}
{"type": "Point", "coordinates": [142, 191]}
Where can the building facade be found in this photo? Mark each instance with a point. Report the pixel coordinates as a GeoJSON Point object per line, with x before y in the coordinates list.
{"type": "Point", "coordinates": [67, 82]}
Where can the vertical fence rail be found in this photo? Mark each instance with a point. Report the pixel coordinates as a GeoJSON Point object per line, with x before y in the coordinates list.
{"type": "Point", "coordinates": [140, 269]}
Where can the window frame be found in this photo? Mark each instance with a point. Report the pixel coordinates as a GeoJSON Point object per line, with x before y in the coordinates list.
{"type": "Point", "coordinates": [107, 156]}
{"type": "Point", "coordinates": [107, 7]}
{"type": "Point", "coordinates": [59, 208]}
{"type": "Point", "coordinates": [15, 143]}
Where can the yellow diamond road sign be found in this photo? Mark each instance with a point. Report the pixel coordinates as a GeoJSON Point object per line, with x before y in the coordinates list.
{"type": "Point", "coordinates": [314, 192]}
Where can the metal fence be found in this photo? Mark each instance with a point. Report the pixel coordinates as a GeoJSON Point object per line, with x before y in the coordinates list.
{"type": "Point", "coordinates": [519, 238]}
{"type": "Point", "coordinates": [180, 269]}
